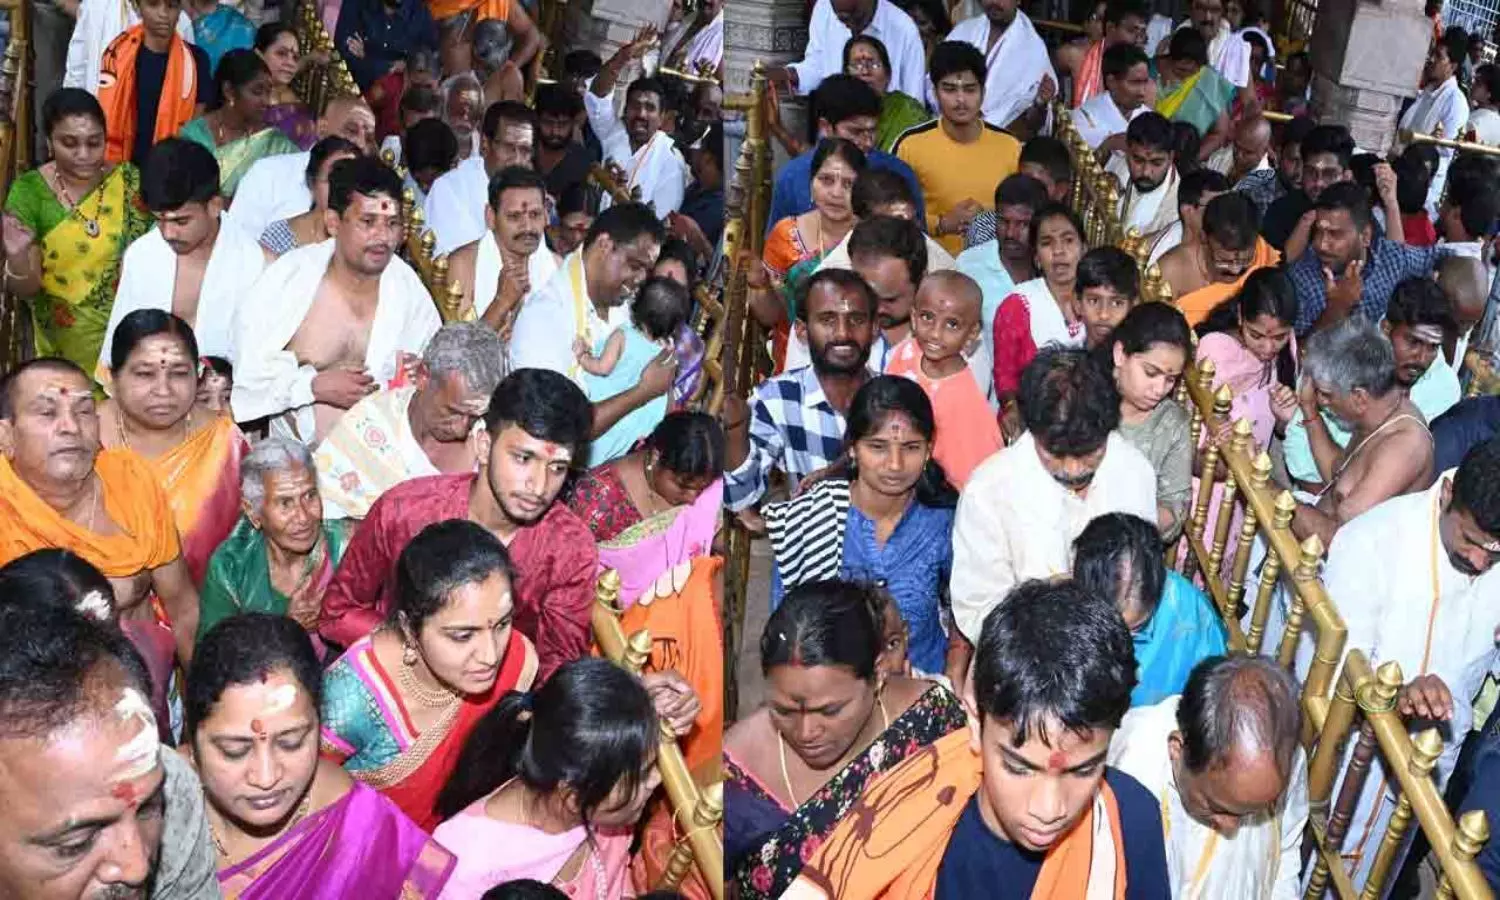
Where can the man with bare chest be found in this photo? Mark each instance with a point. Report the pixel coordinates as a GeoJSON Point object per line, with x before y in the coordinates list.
{"type": "Point", "coordinates": [511, 259]}
{"type": "Point", "coordinates": [423, 428]}
{"type": "Point", "coordinates": [59, 489]}
{"type": "Point", "coordinates": [1350, 374]}
{"type": "Point", "coordinates": [327, 324]}
{"type": "Point", "coordinates": [193, 263]}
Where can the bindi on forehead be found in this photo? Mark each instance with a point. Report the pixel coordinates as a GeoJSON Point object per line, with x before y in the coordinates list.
{"type": "Point", "coordinates": [1057, 762]}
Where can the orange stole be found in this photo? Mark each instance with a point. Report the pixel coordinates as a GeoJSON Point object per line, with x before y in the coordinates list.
{"type": "Point", "coordinates": [687, 636]}
{"type": "Point", "coordinates": [202, 478]}
{"type": "Point", "coordinates": [129, 494]}
{"type": "Point", "coordinates": [1196, 305]}
{"type": "Point", "coordinates": [483, 9]}
{"type": "Point", "coordinates": [892, 842]}
{"type": "Point", "coordinates": [660, 836]}
{"type": "Point", "coordinates": [1089, 80]}
{"type": "Point", "coordinates": [117, 92]}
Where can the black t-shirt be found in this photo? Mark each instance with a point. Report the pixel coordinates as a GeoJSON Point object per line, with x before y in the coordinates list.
{"type": "Point", "coordinates": [572, 169]}
{"type": "Point", "coordinates": [150, 72]}
{"type": "Point", "coordinates": [1282, 218]}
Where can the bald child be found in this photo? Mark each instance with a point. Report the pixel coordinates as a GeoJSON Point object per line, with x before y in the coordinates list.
{"type": "Point", "coordinates": [944, 321]}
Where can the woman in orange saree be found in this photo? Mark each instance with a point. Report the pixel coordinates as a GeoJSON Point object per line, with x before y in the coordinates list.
{"type": "Point", "coordinates": [400, 703]}
{"type": "Point", "coordinates": [194, 451]}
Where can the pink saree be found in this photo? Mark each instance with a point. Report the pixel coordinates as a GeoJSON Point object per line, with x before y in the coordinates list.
{"type": "Point", "coordinates": [361, 846]}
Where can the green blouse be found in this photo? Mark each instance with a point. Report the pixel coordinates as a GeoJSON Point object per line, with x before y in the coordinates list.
{"type": "Point", "coordinates": [239, 573]}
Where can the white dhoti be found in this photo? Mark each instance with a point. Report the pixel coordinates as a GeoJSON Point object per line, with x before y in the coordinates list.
{"type": "Point", "coordinates": [148, 280]}
{"type": "Point", "coordinates": [99, 23]}
{"type": "Point", "coordinates": [269, 380]}
{"type": "Point", "coordinates": [541, 265]}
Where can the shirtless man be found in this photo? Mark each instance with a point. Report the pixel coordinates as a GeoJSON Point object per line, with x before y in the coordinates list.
{"type": "Point", "coordinates": [1209, 267]}
{"type": "Point", "coordinates": [1351, 374]}
{"type": "Point", "coordinates": [190, 265]}
{"type": "Point", "coordinates": [1181, 266]}
{"type": "Point", "coordinates": [335, 321]}
{"type": "Point", "coordinates": [499, 270]}
{"type": "Point", "coordinates": [59, 489]}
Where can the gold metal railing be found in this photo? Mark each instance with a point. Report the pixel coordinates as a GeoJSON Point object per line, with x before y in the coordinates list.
{"type": "Point", "coordinates": [698, 809]}
{"type": "Point", "coordinates": [1417, 137]}
{"type": "Point", "coordinates": [17, 138]}
{"type": "Point", "coordinates": [746, 206]}
{"type": "Point", "coordinates": [318, 82]}
{"type": "Point", "coordinates": [1338, 687]}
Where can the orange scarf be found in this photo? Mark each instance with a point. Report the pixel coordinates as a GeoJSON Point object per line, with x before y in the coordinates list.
{"type": "Point", "coordinates": [891, 843]}
{"type": "Point", "coordinates": [1196, 305]}
{"type": "Point", "coordinates": [130, 495]}
{"type": "Point", "coordinates": [483, 9]}
{"type": "Point", "coordinates": [117, 92]}
{"type": "Point", "coordinates": [1089, 79]}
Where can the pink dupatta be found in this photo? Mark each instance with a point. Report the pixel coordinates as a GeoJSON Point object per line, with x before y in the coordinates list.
{"type": "Point", "coordinates": [361, 846]}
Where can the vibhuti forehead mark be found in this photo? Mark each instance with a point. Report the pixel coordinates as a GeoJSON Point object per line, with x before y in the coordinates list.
{"type": "Point", "coordinates": [557, 451]}
{"type": "Point", "coordinates": [61, 389]}
{"type": "Point", "coordinates": [1427, 334]}
{"type": "Point", "coordinates": [385, 207]}
{"type": "Point", "coordinates": [95, 605]}
{"type": "Point", "coordinates": [279, 699]}
{"type": "Point", "coordinates": [139, 755]}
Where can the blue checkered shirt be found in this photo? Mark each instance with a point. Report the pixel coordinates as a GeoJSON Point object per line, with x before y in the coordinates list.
{"type": "Point", "coordinates": [1388, 265]}
{"type": "Point", "coordinates": [793, 427]}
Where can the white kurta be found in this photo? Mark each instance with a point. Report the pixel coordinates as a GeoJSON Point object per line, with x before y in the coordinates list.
{"type": "Point", "coordinates": [1147, 213]}
{"type": "Point", "coordinates": [1443, 105]}
{"type": "Point", "coordinates": [1228, 53]}
{"type": "Point", "coordinates": [1260, 862]}
{"type": "Point", "coordinates": [269, 380]}
{"type": "Point", "coordinates": [99, 23]}
{"type": "Point", "coordinates": [1380, 574]}
{"type": "Point", "coordinates": [826, 37]}
{"type": "Point", "coordinates": [148, 279]}
{"type": "Point", "coordinates": [455, 205]}
{"type": "Point", "coordinates": [1014, 67]}
{"type": "Point", "coordinates": [541, 265]}
{"type": "Point", "coordinates": [554, 315]}
{"type": "Point", "coordinates": [656, 168]}
{"type": "Point", "coordinates": [1100, 118]}
{"type": "Point", "coordinates": [274, 188]}
{"type": "Point", "coordinates": [1014, 522]}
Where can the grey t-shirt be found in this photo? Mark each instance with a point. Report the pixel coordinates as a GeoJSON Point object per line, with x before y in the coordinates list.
{"type": "Point", "coordinates": [186, 867]}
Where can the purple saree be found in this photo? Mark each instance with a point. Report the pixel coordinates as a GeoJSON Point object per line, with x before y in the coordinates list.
{"type": "Point", "coordinates": [360, 846]}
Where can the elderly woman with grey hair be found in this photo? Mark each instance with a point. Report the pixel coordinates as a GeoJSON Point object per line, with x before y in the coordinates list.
{"type": "Point", "coordinates": [422, 428]}
{"type": "Point", "coordinates": [282, 554]}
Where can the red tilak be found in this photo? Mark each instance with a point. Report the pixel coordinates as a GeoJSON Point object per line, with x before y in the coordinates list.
{"type": "Point", "coordinates": [1057, 762]}
{"type": "Point", "coordinates": [124, 791]}
{"type": "Point", "coordinates": [257, 726]}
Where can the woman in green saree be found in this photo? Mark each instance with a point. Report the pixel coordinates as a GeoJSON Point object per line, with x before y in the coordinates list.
{"type": "Point", "coordinates": [281, 555]}
{"type": "Point", "coordinates": [1192, 91]}
{"type": "Point", "coordinates": [866, 58]}
{"type": "Point", "coordinates": [236, 130]}
{"type": "Point", "coordinates": [65, 228]}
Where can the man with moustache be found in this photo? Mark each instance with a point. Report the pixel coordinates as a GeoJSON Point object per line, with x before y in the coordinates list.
{"type": "Point", "coordinates": [1127, 93]}
{"type": "Point", "coordinates": [635, 140]}
{"type": "Point", "coordinates": [95, 807]}
{"type": "Point", "coordinates": [535, 431]}
{"type": "Point", "coordinates": [499, 270]}
{"type": "Point", "coordinates": [335, 321]}
{"type": "Point", "coordinates": [561, 160]}
{"type": "Point", "coordinates": [1023, 507]}
{"type": "Point", "coordinates": [796, 419]}
{"type": "Point", "coordinates": [1416, 582]}
{"type": "Point", "coordinates": [1004, 261]}
{"type": "Point", "coordinates": [456, 204]}
{"type": "Point", "coordinates": [587, 298]}
{"type": "Point", "coordinates": [1149, 202]}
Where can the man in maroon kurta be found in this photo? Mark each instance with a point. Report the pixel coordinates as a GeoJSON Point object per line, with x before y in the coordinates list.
{"type": "Point", "coordinates": [538, 422]}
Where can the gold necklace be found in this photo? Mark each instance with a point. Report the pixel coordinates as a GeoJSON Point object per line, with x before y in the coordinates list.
{"type": "Point", "coordinates": [187, 426]}
{"type": "Point", "coordinates": [297, 816]}
{"type": "Point", "coordinates": [786, 778]}
{"type": "Point", "coordinates": [90, 225]}
{"type": "Point", "coordinates": [425, 696]}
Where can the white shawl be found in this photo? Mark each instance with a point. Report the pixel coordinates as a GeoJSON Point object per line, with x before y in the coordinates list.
{"type": "Point", "coordinates": [148, 278]}
{"type": "Point", "coordinates": [1099, 119]}
{"type": "Point", "coordinates": [541, 265]}
{"type": "Point", "coordinates": [1146, 213]}
{"type": "Point", "coordinates": [269, 380]}
{"type": "Point", "coordinates": [1048, 326]}
{"type": "Point", "coordinates": [1016, 66]}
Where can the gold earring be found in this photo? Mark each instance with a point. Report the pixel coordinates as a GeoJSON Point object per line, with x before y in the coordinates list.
{"type": "Point", "coordinates": [409, 656]}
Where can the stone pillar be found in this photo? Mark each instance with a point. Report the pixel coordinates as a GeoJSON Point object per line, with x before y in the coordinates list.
{"type": "Point", "coordinates": [1367, 58]}
{"type": "Point", "coordinates": [604, 25]}
{"type": "Point", "coordinates": [771, 32]}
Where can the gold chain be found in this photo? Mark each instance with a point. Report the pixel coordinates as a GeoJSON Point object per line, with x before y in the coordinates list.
{"type": "Point", "coordinates": [425, 696]}
{"type": "Point", "coordinates": [297, 816]}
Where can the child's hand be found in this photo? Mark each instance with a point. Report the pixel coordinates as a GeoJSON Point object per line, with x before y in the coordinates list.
{"type": "Point", "coordinates": [580, 350]}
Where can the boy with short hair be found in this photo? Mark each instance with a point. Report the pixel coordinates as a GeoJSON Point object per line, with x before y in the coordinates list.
{"type": "Point", "coordinates": [945, 320]}
{"type": "Point", "coordinates": [1023, 798]}
{"type": "Point", "coordinates": [1108, 286]}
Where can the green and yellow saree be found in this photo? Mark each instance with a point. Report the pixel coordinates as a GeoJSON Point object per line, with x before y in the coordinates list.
{"type": "Point", "coordinates": [236, 157]}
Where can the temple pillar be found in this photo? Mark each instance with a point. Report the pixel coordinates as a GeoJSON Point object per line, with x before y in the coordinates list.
{"type": "Point", "coordinates": [1367, 58]}
{"type": "Point", "coordinates": [773, 33]}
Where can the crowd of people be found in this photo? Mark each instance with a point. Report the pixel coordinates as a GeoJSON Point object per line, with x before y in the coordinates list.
{"type": "Point", "coordinates": [972, 464]}
{"type": "Point", "coordinates": [297, 580]}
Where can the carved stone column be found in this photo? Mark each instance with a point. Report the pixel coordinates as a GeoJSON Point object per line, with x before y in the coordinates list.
{"type": "Point", "coordinates": [1366, 59]}
{"type": "Point", "coordinates": [773, 32]}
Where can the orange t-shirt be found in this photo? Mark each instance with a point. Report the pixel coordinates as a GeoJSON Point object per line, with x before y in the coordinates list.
{"type": "Point", "coordinates": [967, 430]}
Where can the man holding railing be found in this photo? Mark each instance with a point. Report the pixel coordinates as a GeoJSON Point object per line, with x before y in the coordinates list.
{"type": "Point", "coordinates": [1416, 582]}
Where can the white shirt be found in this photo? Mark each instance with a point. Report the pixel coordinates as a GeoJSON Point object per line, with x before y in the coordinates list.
{"type": "Point", "coordinates": [656, 168]}
{"type": "Point", "coordinates": [455, 205]}
{"type": "Point", "coordinates": [826, 37]}
{"type": "Point", "coordinates": [99, 23]}
{"type": "Point", "coordinates": [1380, 572]}
{"type": "Point", "coordinates": [1486, 125]}
{"type": "Point", "coordinates": [549, 321]}
{"type": "Point", "coordinates": [1100, 119]}
{"type": "Point", "coordinates": [1261, 861]}
{"type": "Point", "coordinates": [1228, 53]}
{"type": "Point", "coordinates": [1014, 67]}
{"type": "Point", "coordinates": [1443, 105]}
{"type": "Point", "coordinates": [275, 188]}
{"type": "Point", "coordinates": [1014, 522]}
